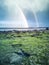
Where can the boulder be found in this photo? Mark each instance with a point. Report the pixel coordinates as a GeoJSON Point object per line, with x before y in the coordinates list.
{"type": "Point", "coordinates": [11, 58]}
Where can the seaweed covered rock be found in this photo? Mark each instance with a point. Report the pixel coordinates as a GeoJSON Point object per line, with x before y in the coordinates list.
{"type": "Point", "coordinates": [11, 58]}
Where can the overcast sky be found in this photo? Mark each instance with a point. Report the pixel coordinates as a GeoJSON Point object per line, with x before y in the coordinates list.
{"type": "Point", "coordinates": [32, 9]}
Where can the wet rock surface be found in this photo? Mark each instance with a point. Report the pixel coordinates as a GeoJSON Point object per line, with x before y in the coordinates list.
{"type": "Point", "coordinates": [9, 56]}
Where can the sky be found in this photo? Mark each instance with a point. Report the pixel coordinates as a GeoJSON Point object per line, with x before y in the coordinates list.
{"type": "Point", "coordinates": [34, 12]}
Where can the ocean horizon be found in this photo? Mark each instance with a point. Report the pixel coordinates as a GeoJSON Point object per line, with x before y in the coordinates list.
{"type": "Point", "coordinates": [22, 29]}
